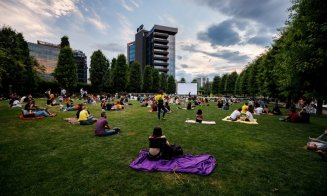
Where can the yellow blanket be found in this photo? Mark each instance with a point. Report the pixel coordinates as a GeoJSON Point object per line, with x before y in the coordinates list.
{"type": "Point", "coordinates": [241, 121]}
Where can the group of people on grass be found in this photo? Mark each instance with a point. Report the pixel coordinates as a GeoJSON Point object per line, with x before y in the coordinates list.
{"type": "Point", "coordinates": [159, 147]}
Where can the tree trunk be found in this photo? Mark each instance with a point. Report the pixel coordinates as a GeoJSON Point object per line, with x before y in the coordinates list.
{"type": "Point", "coordinates": [319, 106]}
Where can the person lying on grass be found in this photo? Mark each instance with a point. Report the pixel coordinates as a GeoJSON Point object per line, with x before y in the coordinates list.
{"type": "Point", "coordinates": [102, 127]}
{"type": "Point", "coordinates": [31, 109]}
{"type": "Point", "coordinates": [318, 145]}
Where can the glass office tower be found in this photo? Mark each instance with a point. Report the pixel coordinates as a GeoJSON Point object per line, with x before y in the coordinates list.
{"type": "Point", "coordinates": [47, 54]}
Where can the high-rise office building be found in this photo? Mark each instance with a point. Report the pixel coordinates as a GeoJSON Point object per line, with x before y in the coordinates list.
{"type": "Point", "coordinates": [155, 47]}
{"type": "Point", "coordinates": [47, 54]}
{"type": "Point", "coordinates": [202, 80]}
{"type": "Point", "coordinates": [81, 63]}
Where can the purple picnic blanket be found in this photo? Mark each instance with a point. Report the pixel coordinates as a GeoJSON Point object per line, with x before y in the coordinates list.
{"type": "Point", "coordinates": [199, 164]}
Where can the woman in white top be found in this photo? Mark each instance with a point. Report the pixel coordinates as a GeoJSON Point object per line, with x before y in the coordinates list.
{"type": "Point", "coordinates": [249, 116]}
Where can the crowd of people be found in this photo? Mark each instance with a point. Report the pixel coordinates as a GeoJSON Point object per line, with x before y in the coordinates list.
{"type": "Point", "coordinates": [159, 147]}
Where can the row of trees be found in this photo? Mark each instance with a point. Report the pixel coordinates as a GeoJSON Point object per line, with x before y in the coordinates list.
{"type": "Point", "coordinates": [294, 66]}
{"type": "Point", "coordinates": [117, 76]}
{"type": "Point", "coordinates": [17, 68]}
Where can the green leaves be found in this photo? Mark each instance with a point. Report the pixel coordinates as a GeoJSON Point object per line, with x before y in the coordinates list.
{"type": "Point", "coordinates": [99, 71]}
{"type": "Point", "coordinates": [66, 70]}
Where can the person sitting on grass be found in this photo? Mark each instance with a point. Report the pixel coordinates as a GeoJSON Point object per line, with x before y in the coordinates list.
{"type": "Point", "coordinates": [167, 107]}
{"type": "Point", "coordinates": [220, 104]}
{"type": "Point", "coordinates": [318, 145]}
{"type": "Point", "coordinates": [304, 116]}
{"type": "Point", "coordinates": [245, 106]}
{"type": "Point", "coordinates": [293, 116]}
{"type": "Point", "coordinates": [199, 116]}
{"type": "Point", "coordinates": [248, 116]}
{"type": "Point", "coordinates": [85, 118]}
{"type": "Point", "coordinates": [154, 107]}
{"type": "Point", "coordinates": [251, 109]}
{"type": "Point", "coordinates": [158, 144]}
{"type": "Point", "coordinates": [266, 110]}
{"type": "Point", "coordinates": [118, 106]}
{"type": "Point", "coordinates": [102, 127]}
{"type": "Point", "coordinates": [189, 106]}
{"type": "Point", "coordinates": [226, 106]}
{"type": "Point", "coordinates": [276, 110]}
{"type": "Point", "coordinates": [235, 115]}
{"type": "Point", "coordinates": [103, 104]}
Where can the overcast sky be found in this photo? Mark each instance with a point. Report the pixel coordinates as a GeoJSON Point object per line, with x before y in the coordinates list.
{"type": "Point", "coordinates": [214, 36]}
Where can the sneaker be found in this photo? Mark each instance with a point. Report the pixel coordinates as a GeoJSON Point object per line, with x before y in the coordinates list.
{"type": "Point", "coordinates": [163, 118]}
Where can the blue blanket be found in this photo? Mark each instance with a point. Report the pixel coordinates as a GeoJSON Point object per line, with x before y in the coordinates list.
{"type": "Point", "coordinates": [199, 164]}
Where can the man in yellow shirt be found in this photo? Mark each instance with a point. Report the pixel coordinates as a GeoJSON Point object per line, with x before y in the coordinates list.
{"type": "Point", "coordinates": [85, 118]}
{"type": "Point", "coordinates": [160, 104]}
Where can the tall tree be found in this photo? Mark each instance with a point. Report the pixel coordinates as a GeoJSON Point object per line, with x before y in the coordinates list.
{"type": "Point", "coordinates": [237, 85]}
{"type": "Point", "coordinates": [222, 84]}
{"type": "Point", "coordinates": [119, 76]}
{"type": "Point", "coordinates": [155, 80]}
{"type": "Point", "coordinates": [64, 42]}
{"type": "Point", "coordinates": [112, 71]}
{"type": "Point", "coordinates": [171, 86]}
{"type": "Point", "coordinates": [163, 82]}
{"type": "Point", "coordinates": [135, 81]}
{"type": "Point", "coordinates": [306, 49]}
{"type": "Point", "coordinates": [99, 67]}
{"type": "Point", "coordinates": [17, 68]}
{"type": "Point", "coordinates": [147, 79]}
{"type": "Point", "coordinates": [107, 83]}
{"type": "Point", "coordinates": [215, 85]}
{"type": "Point", "coordinates": [66, 70]}
{"type": "Point", "coordinates": [231, 82]}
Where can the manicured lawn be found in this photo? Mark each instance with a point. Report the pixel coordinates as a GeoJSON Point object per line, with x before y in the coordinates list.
{"type": "Point", "coordinates": [51, 156]}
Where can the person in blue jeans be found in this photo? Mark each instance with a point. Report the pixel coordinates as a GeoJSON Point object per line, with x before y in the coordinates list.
{"type": "Point", "coordinates": [102, 127]}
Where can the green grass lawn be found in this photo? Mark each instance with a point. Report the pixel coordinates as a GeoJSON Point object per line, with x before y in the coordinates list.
{"type": "Point", "coordinates": [51, 156]}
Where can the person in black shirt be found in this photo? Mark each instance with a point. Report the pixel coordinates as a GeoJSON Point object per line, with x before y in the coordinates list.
{"type": "Point", "coordinates": [158, 145]}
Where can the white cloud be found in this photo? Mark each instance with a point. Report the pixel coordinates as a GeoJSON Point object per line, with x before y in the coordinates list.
{"type": "Point", "coordinates": [126, 29]}
{"type": "Point", "coordinates": [26, 21]}
{"type": "Point", "coordinates": [50, 8]}
{"type": "Point", "coordinates": [63, 7]}
{"type": "Point", "coordinates": [136, 4]}
{"type": "Point", "coordinates": [96, 21]}
{"type": "Point", "coordinates": [130, 5]}
{"type": "Point", "coordinates": [168, 20]}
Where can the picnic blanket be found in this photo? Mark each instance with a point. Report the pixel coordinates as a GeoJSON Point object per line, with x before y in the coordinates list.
{"type": "Point", "coordinates": [199, 164]}
{"type": "Point", "coordinates": [72, 120]}
{"type": "Point", "coordinates": [240, 121]}
{"type": "Point", "coordinates": [203, 122]}
{"type": "Point", "coordinates": [30, 117]}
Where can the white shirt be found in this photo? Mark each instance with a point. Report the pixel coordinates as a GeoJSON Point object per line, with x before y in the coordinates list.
{"type": "Point", "coordinates": [249, 116]}
{"type": "Point", "coordinates": [258, 110]}
{"type": "Point", "coordinates": [235, 114]}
